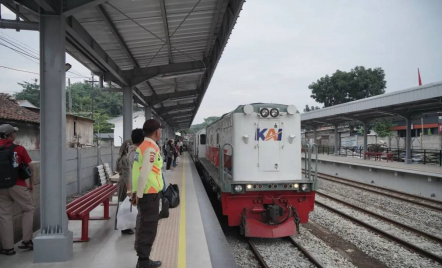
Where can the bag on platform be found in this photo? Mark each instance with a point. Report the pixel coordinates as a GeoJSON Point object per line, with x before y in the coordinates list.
{"type": "Point", "coordinates": [8, 167]}
{"type": "Point", "coordinates": [164, 208]}
{"type": "Point", "coordinates": [127, 215]}
{"type": "Point", "coordinates": [173, 195]}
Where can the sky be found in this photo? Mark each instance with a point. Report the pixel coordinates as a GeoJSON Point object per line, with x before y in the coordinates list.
{"type": "Point", "coordinates": [278, 48]}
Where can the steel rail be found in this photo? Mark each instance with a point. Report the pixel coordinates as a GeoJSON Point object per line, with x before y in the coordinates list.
{"type": "Point", "coordinates": [255, 251]}
{"type": "Point", "coordinates": [365, 187]}
{"type": "Point", "coordinates": [306, 253]}
{"type": "Point", "coordinates": [422, 198]}
{"type": "Point", "coordinates": [396, 239]}
{"type": "Point", "coordinates": [376, 215]}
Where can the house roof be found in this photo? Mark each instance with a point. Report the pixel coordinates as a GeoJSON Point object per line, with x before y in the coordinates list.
{"type": "Point", "coordinates": [120, 118]}
{"type": "Point", "coordinates": [11, 110]}
{"type": "Point", "coordinates": [26, 103]}
{"type": "Point", "coordinates": [105, 136]}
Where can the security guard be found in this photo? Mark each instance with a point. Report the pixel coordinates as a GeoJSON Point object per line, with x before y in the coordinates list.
{"type": "Point", "coordinates": [147, 184]}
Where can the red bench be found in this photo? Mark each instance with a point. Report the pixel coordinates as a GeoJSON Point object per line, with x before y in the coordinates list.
{"type": "Point", "coordinates": [80, 208]}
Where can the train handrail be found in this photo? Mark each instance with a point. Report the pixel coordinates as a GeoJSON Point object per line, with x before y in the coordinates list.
{"type": "Point", "coordinates": [221, 160]}
{"type": "Point", "coordinates": [310, 148]}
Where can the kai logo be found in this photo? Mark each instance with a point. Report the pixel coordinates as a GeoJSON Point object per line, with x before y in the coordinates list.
{"type": "Point", "coordinates": [267, 134]}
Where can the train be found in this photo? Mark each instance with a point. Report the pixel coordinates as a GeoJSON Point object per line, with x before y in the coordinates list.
{"type": "Point", "coordinates": [251, 159]}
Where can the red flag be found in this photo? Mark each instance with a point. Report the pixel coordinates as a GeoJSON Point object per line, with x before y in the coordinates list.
{"type": "Point", "coordinates": [419, 74]}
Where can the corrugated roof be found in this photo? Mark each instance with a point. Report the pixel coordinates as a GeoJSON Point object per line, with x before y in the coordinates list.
{"type": "Point", "coordinates": [160, 48]}
{"type": "Point", "coordinates": [404, 103]}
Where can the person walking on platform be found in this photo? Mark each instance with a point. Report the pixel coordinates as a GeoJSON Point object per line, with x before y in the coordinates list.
{"type": "Point", "coordinates": [169, 149]}
{"type": "Point", "coordinates": [147, 184]}
{"type": "Point", "coordinates": [180, 144]}
{"type": "Point", "coordinates": [14, 170]}
{"type": "Point", "coordinates": [123, 168]}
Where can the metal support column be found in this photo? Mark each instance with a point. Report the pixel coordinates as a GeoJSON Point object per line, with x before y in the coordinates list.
{"type": "Point", "coordinates": [408, 156]}
{"type": "Point", "coordinates": [147, 113]}
{"type": "Point", "coordinates": [54, 243]}
{"type": "Point", "coordinates": [315, 133]}
{"type": "Point", "coordinates": [127, 113]}
{"type": "Point", "coordinates": [365, 137]}
{"type": "Point", "coordinates": [336, 151]}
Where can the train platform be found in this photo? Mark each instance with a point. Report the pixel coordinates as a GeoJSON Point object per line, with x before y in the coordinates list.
{"type": "Point", "coordinates": [419, 169]}
{"type": "Point", "coordinates": [418, 179]}
{"type": "Point", "coordinates": [190, 237]}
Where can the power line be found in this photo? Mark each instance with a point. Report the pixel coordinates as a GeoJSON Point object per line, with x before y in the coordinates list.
{"type": "Point", "coordinates": [30, 48]}
{"type": "Point", "coordinates": [18, 70]}
{"type": "Point", "coordinates": [26, 53]}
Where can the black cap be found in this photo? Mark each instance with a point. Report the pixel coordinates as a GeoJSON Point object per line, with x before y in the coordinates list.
{"type": "Point", "coordinates": [150, 126]}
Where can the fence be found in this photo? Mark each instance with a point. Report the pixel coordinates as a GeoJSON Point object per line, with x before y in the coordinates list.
{"type": "Point", "coordinates": [419, 156]}
{"type": "Point", "coordinates": [81, 163]}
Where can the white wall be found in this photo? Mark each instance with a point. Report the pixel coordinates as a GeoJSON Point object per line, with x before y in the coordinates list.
{"type": "Point", "coordinates": [137, 122]}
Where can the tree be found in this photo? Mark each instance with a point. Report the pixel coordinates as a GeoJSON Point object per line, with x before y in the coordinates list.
{"type": "Point", "coordinates": [311, 108]}
{"type": "Point", "coordinates": [30, 92]}
{"type": "Point", "coordinates": [383, 128]}
{"type": "Point", "coordinates": [344, 87]}
{"type": "Point", "coordinates": [198, 127]}
{"type": "Point", "coordinates": [101, 125]}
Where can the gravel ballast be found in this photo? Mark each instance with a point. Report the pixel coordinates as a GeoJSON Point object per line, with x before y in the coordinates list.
{"type": "Point", "coordinates": [280, 253]}
{"type": "Point", "coordinates": [322, 252]}
{"type": "Point", "coordinates": [408, 236]}
{"type": "Point", "coordinates": [414, 215]}
{"type": "Point", "coordinates": [373, 245]}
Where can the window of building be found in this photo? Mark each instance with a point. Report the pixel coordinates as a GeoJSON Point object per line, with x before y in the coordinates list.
{"type": "Point", "coordinates": [75, 128]}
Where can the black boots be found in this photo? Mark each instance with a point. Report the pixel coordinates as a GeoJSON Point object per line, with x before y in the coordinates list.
{"type": "Point", "coordinates": [148, 264]}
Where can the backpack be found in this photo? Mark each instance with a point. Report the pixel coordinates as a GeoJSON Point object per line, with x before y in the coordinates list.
{"type": "Point", "coordinates": [8, 173]}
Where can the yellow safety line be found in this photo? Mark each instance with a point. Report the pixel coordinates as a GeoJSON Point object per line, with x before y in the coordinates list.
{"type": "Point", "coordinates": [182, 240]}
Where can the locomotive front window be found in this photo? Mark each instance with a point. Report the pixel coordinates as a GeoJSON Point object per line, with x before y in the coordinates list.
{"type": "Point", "coordinates": [203, 139]}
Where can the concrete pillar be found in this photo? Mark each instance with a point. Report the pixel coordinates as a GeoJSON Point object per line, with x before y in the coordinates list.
{"type": "Point", "coordinates": [148, 113]}
{"type": "Point", "coordinates": [54, 243]}
{"type": "Point", "coordinates": [336, 152]}
{"type": "Point", "coordinates": [127, 113]}
{"type": "Point", "coordinates": [365, 137]}
{"type": "Point", "coordinates": [315, 135]}
{"type": "Point", "coordinates": [408, 159]}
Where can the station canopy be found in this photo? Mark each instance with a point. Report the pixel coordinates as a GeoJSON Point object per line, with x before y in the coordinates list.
{"type": "Point", "coordinates": [165, 51]}
{"type": "Point", "coordinates": [409, 103]}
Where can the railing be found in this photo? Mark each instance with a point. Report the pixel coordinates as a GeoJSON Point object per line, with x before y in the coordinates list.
{"type": "Point", "coordinates": [418, 156]}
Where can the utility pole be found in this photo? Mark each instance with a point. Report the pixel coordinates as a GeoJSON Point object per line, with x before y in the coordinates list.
{"type": "Point", "coordinates": [92, 95]}
{"type": "Point", "coordinates": [70, 96]}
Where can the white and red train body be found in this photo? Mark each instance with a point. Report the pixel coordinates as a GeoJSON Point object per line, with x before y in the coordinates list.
{"type": "Point", "coordinates": [258, 174]}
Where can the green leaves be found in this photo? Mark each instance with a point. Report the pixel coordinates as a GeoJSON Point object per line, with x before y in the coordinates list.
{"type": "Point", "coordinates": [344, 87]}
{"type": "Point", "coordinates": [30, 92]}
{"type": "Point", "coordinates": [383, 128]}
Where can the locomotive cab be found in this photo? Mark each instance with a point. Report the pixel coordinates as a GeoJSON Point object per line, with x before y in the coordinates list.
{"type": "Point", "coordinates": [257, 150]}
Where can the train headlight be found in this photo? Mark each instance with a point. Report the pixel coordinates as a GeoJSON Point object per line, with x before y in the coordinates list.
{"type": "Point", "coordinates": [304, 187]}
{"type": "Point", "coordinates": [295, 186]}
{"type": "Point", "coordinates": [274, 112]}
{"type": "Point", "coordinates": [249, 186]}
{"type": "Point", "coordinates": [264, 112]}
{"type": "Point", "coordinates": [238, 188]}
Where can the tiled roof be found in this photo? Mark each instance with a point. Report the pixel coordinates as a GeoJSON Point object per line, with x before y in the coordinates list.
{"type": "Point", "coordinates": [10, 110]}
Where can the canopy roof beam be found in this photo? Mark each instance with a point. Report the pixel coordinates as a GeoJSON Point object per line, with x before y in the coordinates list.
{"type": "Point", "coordinates": [166, 28]}
{"type": "Point", "coordinates": [108, 21]}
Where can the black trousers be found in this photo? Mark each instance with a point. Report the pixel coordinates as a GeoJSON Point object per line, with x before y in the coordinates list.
{"type": "Point", "coordinates": [169, 162]}
{"type": "Point", "coordinates": [147, 224]}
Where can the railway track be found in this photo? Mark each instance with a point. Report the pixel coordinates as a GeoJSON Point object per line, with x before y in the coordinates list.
{"type": "Point", "coordinates": [385, 234]}
{"type": "Point", "coordinates": [379, 216]}
{"type": "Point", "coordinates": [413, 199]}
{"type": "Point", "coordinates": [264, 264]}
